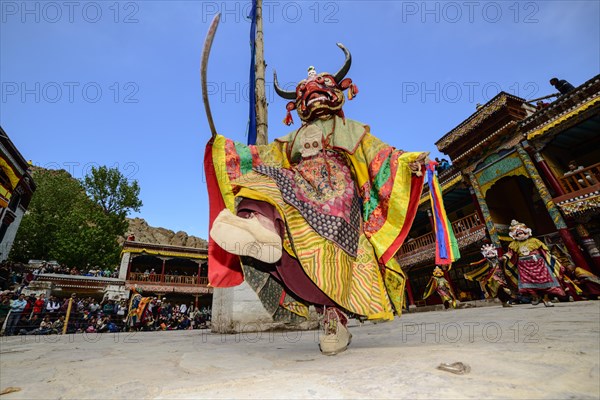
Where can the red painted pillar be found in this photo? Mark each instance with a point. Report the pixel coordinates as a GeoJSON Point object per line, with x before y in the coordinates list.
{"type": "Point", "coordinates": [548, 175]}
{"type": "Point", "coordinates": [430, 215]}
{"type": "Point", "coordinates": [198, 277]}
{"type": "Point", "coordinates": [573, 248]}
{"type": "Point", "coordinates": [411, 300]}
{"type": "Point", "coordinates": [162, 274]}
{"type": "Point", "coordinates": [544, 169]}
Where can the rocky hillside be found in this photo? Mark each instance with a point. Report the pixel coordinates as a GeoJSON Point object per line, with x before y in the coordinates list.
{"type": "Point", "coordinates": [149, 234]}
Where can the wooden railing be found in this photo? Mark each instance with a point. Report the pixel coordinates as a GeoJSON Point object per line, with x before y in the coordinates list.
{"type": "Point", "coordinates": [168, 279]}
{"type": "Point", "coordinates": [581, 178]}
{"type": "Point", "coordinates": [417, 243]}
{"type": "Point", "coordinates": [465, 224]}
{"type": "Point", "coordinates": [460, 227]}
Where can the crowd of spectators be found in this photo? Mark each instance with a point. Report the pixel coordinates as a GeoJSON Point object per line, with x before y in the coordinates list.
{"type": "Point", "coordinates": [37, 315]}
{"type": "Point", "coordinates": [22, 314]}
{"type": "Point", "coordinates": [162, 315]}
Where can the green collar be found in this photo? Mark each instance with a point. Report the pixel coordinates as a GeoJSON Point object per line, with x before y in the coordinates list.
{"type": "Point", "coordinates": [346, 136]}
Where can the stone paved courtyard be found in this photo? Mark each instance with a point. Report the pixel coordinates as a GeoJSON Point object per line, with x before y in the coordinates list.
{"type": "Point", "coordinates": [520, 352]}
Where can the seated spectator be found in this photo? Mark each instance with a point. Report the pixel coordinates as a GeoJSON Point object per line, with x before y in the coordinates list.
{"type": "Point", "coordinates": [541, 104]}
{"type": "Point", "coordinates": [184, 322]}
{"type": "Point", "coordinates": [94, 306]}
{"type": "Point", "coordinates": [91, 326]}
{"type": "Point", "coordinates": [102, 324]}
{"type": "Point", "coordinates": [44, 328]}
{"type": "Point", "coordinates": [574, 168]}
{"type": "Point", "coordinates": [28, 325]}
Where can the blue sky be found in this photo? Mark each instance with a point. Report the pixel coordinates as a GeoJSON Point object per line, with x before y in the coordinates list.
{"type": "Point", "coordinates": [118, 84]}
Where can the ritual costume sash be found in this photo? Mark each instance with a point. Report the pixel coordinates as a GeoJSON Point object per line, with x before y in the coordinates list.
{"type": "Point", "coordinates": [446, 249]}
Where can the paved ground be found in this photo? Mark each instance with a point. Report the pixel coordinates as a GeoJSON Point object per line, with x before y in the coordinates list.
{"type": "Point", "coordinates": [519, 352]}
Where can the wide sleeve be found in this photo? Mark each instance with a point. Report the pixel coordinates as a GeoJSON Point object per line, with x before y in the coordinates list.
{"type": "Point", "coordinates": [225, 161]}
{"type": "Point", "coordinates": [430, 288]}
{"type": "Point", "coordinates": [390, 193]}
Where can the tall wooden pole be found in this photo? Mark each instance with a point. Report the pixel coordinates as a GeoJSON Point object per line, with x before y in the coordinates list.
{"type": "Point", "coordinates": [260, 94]}
{"type": "Point", "coordinates": [64, 330]}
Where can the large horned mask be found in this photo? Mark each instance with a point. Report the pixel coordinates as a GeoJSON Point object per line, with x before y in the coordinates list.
{"type": "Point", "coordinates": [319, 95]}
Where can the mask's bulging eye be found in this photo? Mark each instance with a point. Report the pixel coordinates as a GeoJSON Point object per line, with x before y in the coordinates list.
{"type": "Point", "coordinates": [307, 145]}
{"type": "Point", "coordinates": [315, 144]}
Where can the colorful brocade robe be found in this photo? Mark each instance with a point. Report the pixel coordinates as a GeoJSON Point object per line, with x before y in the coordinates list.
{"type": "Point", "coordinates": [441, 286]}
{"type": "Point", "coordinates": [537, 270]}
{"type": "Point", "coordinates": [490, 277]}
{"type": "Point", "coordinates": [347, 210]}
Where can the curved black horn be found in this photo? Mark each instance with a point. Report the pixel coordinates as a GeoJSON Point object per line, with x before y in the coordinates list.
{"type": "Point", "coordinates": [341, 74]}
{"type": "Point", "coordinates": [283, 93]}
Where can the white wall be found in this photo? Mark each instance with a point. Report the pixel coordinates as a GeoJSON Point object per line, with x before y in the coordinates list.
{"type": "Point", "coordinates": [11, 233]}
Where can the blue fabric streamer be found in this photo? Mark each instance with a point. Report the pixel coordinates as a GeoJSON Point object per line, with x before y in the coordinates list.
{"type": "Point", "coordinates": [252, 116]}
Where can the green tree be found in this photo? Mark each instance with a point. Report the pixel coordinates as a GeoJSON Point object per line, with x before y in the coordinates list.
{"type": "Point", "coordinates": [87, 237]}
{"type": "Point", "coordinates": [56, 195]}
{"type": "Point", "coordinates": [108, 188]}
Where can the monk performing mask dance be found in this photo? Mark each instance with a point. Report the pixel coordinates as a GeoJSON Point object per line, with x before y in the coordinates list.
{"type": "Point", "coordinates": [316, 217]}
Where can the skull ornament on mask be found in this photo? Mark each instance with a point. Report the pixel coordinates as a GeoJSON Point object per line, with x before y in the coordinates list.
{"type": "Point", "coordinates": [311, 141]}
